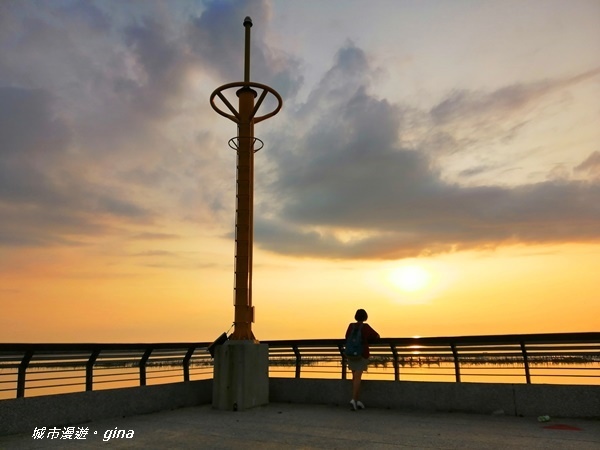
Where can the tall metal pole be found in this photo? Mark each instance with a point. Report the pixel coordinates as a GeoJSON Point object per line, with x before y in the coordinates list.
{"type": "Point", "coordinates": [245, 117]}
{"type": "Point", "coordinates": [247, 26]}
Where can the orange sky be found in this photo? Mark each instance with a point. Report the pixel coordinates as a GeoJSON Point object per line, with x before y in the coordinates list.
{"type": "Point", "coordinates": [513, 290]}
{"type": "Point", "coordinates": [459, 141]}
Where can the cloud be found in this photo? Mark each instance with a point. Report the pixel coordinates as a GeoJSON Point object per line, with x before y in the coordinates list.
{"type": "Point", "coordinates": [89, 15]}
{"type": "Point", "coordinates": [104, 134]}
{"type": "Point", "coordinates": [31, 139]}
{"type": "Point", "coordinates": [41, 201]}
{"type": "Point", "coordinates": [155, 236]}
{"type": "Point", "coordinates": [466, 121]}
{"type": "Point", "coordinates": [27, 126]}
{"type": "Point", "coordinates": [162, 66]}
{"type": "Point", "coordinates": [347, 188]}
{"type": "Point", "coordinates": [217, 38]}
{"type": "Point", "coordinates": [102, 129]}
{"type": "Point", "coordinates": [463, 105]}
{"type": "Point", "coordinates": [591, 165]}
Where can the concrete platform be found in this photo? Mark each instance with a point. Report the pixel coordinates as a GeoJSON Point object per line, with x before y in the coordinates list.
{"type": "Point", "coordinates": [294, 426]}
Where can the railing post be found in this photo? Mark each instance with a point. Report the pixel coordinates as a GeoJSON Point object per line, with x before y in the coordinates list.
{"type": "Point", "coordinates": [344, 361]}
{"type": "Point", "coordinates": [186, 363]}
{"type": "Point", "coordinates": [298, 360]}
{"type": "Point", "coordinates": [22, 373]}
{"type": "Point", "coordinates": [143, 362]}
{"type": "Point", "coordinates": [456, 362]}
{"type": "Point", "coordinates": [89, 370]}
{"type": "Point", "coordinates": [526, 362]}
{"type": "Point", "coordinates": [396, 365]}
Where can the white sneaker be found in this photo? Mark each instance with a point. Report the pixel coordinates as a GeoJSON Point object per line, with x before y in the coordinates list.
{"type": "Point", "coordinates": [360, 405]}
{"type": "Point", "coordinates": [352, 405]}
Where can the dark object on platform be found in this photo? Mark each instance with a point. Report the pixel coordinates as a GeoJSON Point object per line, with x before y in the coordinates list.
{"type": "Point", "coordinates": [220, 340]}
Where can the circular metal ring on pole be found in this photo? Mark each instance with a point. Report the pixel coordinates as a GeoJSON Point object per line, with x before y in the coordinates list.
{"type": "Point", "coordinates": [234, 143]}
{"type": "Point", "coordinates": [234, 116]}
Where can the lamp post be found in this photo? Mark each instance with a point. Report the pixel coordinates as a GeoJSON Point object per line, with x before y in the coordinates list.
{"type": "Point", "coordinates": [241, 367]}
{"type": "Point", "coordinates": [244, 143]}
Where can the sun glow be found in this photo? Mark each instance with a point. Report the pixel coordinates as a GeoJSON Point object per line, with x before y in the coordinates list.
{"type": "Point", "coordinates": [410, 278]}
{"type": "Point", "coordinates": [414, 281]}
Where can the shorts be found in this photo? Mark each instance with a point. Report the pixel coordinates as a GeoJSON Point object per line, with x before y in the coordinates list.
{"type": "Point", "coordinates": [358, 365]}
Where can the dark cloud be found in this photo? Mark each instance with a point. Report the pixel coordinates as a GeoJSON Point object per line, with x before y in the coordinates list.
{"type": "Point", "coordinates": [347, 189]}
{"type": "Point", "coordinates": [31, 140]}
{"type": "Point", "coordinates": [89, 14]}
{"type": "Point", "coordinates": [474, 171]}
{"type": "Point", "coordinates": [163, 65]}
{"type": "Point", "coordinates": [591, 165]}
{"type": "Point", "coordinates": [479, 107]}
{"type": "Point", "coordinates": [45, 224]}
{"type": "Point", "coordinates": [349, 73]}
{"type": "Point", "coordinates": [27, 127]}
{"type": "Point", "coordinates": [467, 122]}
{"type": "Point", "coordinates": [463, 104]}
{"type": "Point", "coordinates": [41, 202]}
{"type": "Point", "coordinates": [90, 94]}
{"type": "Point", "coordinates": [217, 38]}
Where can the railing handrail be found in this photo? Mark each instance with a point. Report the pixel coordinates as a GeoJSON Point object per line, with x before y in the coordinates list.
{"type": "Point", "coordinates": [64, 346]}
{"type": "Point", "coordinates": [549, 338]}
{"type": "Point", "coordinates": [527, 349]}
{"type": "Point", "coordinates": [449, 347]}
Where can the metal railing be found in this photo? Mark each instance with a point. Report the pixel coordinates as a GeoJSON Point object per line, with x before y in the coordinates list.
{"type": "Point", "coordinates": [58, 368]}
{"type": "Point", "coordinates": [566, 358]}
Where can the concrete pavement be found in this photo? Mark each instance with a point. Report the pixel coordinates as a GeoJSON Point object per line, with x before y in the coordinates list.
{"type": "Point", "coordinates": [304, 426]}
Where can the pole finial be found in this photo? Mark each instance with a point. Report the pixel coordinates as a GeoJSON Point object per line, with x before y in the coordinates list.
{"type": "Point", "coordinates": [247, 25]}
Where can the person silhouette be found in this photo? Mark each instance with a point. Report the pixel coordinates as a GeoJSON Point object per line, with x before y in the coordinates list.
{"type": "Point", "coordinates": [359, 364]}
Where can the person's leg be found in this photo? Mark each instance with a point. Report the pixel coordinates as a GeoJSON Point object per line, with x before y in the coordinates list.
{"type": "Point", "coordinates": [356, 377]}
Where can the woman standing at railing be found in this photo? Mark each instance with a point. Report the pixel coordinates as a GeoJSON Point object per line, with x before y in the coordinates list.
{"type": "Point", "coordinates": [358, 336]}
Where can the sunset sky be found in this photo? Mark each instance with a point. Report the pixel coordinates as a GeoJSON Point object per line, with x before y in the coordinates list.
{"type": "Point", "coordinates": [435, 162]}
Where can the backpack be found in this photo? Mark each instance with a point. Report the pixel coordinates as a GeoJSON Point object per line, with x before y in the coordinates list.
{"type": "Point", "coordinates": [354, 343]}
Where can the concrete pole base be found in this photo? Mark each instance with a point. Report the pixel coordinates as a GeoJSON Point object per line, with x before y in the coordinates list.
{"type": "Point", "coordinates": [241, 376]}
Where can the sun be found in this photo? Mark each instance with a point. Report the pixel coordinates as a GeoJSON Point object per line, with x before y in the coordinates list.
{"type": "Point", "coordinates": [410, 278]}
{"type": "Point", "coordinates": [414, 281]}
